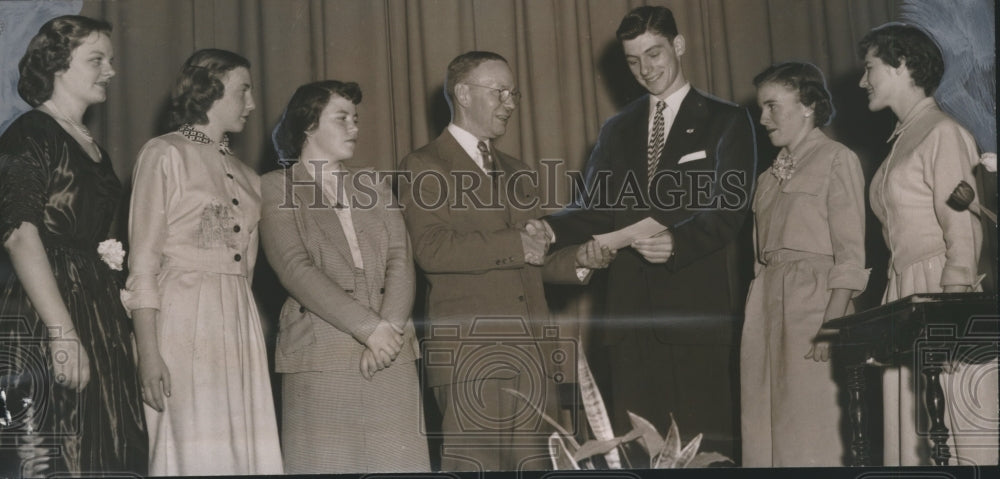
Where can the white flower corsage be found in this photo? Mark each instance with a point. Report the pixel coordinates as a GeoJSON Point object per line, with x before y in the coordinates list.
{"type": "Point", "coordinates": [989, 161]}
{"type": "Point", "coordinates": [783, 166]}
{"type": "Point", "coordinates": [112, 253]}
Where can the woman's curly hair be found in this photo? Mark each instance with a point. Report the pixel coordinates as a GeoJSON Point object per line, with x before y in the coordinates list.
{"type": "Point", "coordinates": [200, 84]}
{"type": "Point", "coordinates": [50, 51]}
{"type": "Point", "coordinates": [894, 43]}
{"type": "Point", "coordinates": [302, 115]}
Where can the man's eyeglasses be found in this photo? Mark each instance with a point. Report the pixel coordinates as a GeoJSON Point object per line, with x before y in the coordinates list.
{"type": "Point", "coordinates": [503, 94]}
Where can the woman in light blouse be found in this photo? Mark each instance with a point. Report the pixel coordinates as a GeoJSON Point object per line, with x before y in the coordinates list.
{"type": "Point", "coordinates": [933, 247]}
{"type": "Point", "coordinates": [809, 224]}
{"type": "Point", "coordinates": [346, 344]}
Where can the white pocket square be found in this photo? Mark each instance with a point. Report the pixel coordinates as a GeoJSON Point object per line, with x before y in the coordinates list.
{"type": "Point", "coordinates": [697, 155]}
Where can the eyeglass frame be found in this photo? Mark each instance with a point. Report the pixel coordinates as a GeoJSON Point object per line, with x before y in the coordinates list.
{"type": "Point", "coordinates": [511, 93]}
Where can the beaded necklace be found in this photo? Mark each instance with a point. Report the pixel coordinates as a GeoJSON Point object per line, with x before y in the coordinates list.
{"type": "Point", "coordinates": [79, 127]}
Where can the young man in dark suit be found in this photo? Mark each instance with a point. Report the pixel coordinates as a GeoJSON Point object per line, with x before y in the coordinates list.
{"type": "Point", "coordinates": [685, 160]}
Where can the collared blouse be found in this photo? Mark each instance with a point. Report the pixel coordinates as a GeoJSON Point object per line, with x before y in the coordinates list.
{"type": "Point", "coordinates": [820, 209]}
{"type": "Point", "coordinates": [909, 193]}
{"type": "Point", "coordinates": [195, 207]}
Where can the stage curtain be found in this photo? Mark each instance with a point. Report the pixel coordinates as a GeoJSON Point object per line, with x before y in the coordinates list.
{"type": "Point", "coordinates": [563, 52]}
{"type": "Point", "coordinates": [566, 59]}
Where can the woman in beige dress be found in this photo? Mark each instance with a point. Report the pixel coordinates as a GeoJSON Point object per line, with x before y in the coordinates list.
{"type": "Point", "coordinates": [933, 248]}
{"type": "Point", "coordinates": [346, 344]}
{"type": "Point", "coordinates": [193, 232]}
{"type": "Point", "coordinates": [809, 219]}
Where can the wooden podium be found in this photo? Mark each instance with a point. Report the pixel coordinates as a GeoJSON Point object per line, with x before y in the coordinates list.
{"type": "Point", "coordinates": [923, 330]}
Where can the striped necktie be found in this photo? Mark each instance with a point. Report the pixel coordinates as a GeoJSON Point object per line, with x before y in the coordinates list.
{"type": "Point", "coordinates": [486, 155]}
{"type": "Point", "coordinates": [656, 141]}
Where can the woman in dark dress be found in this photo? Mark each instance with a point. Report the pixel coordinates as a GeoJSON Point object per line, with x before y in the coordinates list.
{"type": "Point", "coordinates": [69, 376]}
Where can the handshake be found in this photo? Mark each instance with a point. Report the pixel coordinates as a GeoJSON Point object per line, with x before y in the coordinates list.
{"type": "Point", "coordinates": [537, 235]}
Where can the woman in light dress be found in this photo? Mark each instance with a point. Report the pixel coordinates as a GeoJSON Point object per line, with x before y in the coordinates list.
{"type": "Point", "coordinates": [934, 248]}
{"type": "Point", "coordinates": [809, 224]}
{"type": "Point", "coordinates": [346, 345]}
{"type": "Point", "coordinates": [193, 234]}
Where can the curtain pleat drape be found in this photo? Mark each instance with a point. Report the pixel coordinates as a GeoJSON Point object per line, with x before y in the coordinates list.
{"type": "Point", "coordinates": [564, 54]}
{"type": "Point", "coordinates": [566, 59]}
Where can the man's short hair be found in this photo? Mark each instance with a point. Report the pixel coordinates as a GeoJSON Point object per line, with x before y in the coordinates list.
{"type": "Point", "coordinates": [651, 19]}
{"type": "Point", "coordinates": [460, 68]}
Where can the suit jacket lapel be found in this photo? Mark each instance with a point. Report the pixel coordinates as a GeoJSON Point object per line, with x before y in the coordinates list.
{"type": "Point", "coordinates": [461, 161]}
{"type": "Point", "coordinates": [321, 213]}
{"type": "Point", "coordinates": [690, 117]}
{"type": "Point", "coordinates": [456, 155]}
{"type": "Point", "coordinates": [365, 221]}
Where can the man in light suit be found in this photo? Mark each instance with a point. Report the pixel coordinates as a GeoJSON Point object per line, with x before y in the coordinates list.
{"type": "Point", "coordinates": [488, 321]}
{"type": "Point", "coordinates": [673, 302]}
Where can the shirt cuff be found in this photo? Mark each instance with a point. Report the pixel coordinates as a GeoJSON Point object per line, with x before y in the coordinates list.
{"type": "Point", "coordinates": [139, 299]}
{"type": "Point", "coordinates": [953, 275]}
{"type": "Point", "coordinates": [848, 276]}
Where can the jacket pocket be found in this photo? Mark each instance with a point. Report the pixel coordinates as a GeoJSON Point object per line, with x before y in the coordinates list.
{"type": "Point", "coordinates": [807, 184]}
{"type": "Point", "coordinates": [296, 330]}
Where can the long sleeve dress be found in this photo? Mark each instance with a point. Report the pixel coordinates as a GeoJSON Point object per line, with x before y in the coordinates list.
{"type": "Point", "coordinates": [47, 179]}
{"type": "Point", "coordinates": [809, 239]}
{"type": "Point", "coordinates": [932, 246]}
{"type": "Point", "coordinates": [193, 234]}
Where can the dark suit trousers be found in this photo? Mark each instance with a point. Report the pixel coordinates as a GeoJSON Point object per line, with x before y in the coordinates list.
{"type": "Point", "coordinates": [692, 381]}
{"type": "Point", "coordinates": [486, 429]}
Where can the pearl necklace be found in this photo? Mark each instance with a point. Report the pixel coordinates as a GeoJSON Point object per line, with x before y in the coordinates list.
{"type": "Point", "coordinates": [79, 127]}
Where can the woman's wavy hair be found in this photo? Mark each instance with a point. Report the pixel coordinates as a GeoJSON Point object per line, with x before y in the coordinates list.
{"type": "Point", "coordinates": [806, 79]}
{"type": "Point", "coordinates": [50, 51]}
{"type": "Point", "coordinates": [894, 42]}
{"type": "Point", "coordinates": [302, 115]}
{"type": "Point", "coordinates": [199, 85]}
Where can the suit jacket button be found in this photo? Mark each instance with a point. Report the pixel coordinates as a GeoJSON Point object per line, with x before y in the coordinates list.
{"type": "Point", "coordinates": [381, 290]}
{"type": "Point", "coordinates": [521, 298]}
{"type": "Point", "coordinates": [349, 291]}
{"type": "Point", "coordinates": [302, 309]}
{"type": "Point", "coordinates": [237, 257]}
{"type": "Point", "coordinates": [498, 262]}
